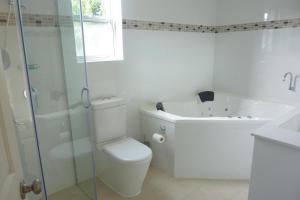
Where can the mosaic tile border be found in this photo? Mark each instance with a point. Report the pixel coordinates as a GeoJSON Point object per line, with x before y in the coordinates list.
{"type": "Point", "coordinates": [164, 26]}
{"type": "Point", "coordinates": [277, 24]}
{"type": "Point", "coordinates": [54, 21]}
{"type": "Point", "coordinates": [38, 20]}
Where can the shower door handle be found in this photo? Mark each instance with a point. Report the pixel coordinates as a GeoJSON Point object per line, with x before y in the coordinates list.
{"type": "Point", "coordinates": [85, 97]}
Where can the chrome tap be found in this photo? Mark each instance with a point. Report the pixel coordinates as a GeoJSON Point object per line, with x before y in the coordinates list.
{"type": "Point", "coordinates": [295, 81]}
{"type": "Point", "coordinates": [291, 87]}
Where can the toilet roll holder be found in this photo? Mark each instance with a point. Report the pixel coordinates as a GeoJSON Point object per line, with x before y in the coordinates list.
{"type": "Point", "coordinates": [162, 130]}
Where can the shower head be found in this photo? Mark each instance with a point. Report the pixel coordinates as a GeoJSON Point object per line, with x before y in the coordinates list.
{"type": "Point", "coordinates": [5, 58]}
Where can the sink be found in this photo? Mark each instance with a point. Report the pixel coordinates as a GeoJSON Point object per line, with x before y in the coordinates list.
{"type": "Point", "coordinates": [285, 130]}
{"type": "Point", "coordinates": [292, 124]}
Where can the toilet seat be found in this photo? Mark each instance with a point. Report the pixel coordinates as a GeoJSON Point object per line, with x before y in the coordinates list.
{"type": "Point", "coordinates": [128, 150]}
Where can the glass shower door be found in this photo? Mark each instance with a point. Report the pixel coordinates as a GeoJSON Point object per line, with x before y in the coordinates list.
{"type": "Point", "coordinates": [59, 97]}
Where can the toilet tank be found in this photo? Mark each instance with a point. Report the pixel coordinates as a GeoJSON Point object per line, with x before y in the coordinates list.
{"type": "Point", "coordinates": [109, 118]}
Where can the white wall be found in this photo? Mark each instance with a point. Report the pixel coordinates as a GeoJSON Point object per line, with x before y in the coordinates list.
{"type": "Point", "coordinates": [252, 63]}
{"type": "Point", "coordinates": [4, 7]}
{"type": "Point", "coordinates": [48, 79]}
{"type": "Point", "coordinates": [189, 11]}
{"type": "Point", "coordinates": [242, 11]}
{"type": "Point", "coordinates": [158, 65]}
{"type": "Point", "coordinates": [44, 7]}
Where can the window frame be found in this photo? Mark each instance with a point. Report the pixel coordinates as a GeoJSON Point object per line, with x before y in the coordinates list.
{"type": "Point", "coordinates": [116, 24]}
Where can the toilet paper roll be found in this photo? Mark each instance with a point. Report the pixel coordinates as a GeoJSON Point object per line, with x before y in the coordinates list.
{"type": "Point", "coordinates": [158, 138]}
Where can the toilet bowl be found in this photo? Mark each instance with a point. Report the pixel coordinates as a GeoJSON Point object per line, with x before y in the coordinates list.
{"type": "Point", "coordinates": [122, 162]}
{"type": "Point", "coordinates": [127, 163]}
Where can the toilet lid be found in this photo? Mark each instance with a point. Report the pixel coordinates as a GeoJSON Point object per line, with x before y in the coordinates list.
{"type": "Point", "coordinates": [128, 150]}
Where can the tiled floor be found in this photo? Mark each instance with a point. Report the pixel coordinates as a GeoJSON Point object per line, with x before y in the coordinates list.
{"type": "Point", "coordinates": [73, 193]}
{"type": "Point", "coordinates": [159, 186]}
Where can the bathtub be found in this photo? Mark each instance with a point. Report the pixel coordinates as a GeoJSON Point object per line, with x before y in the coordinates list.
{"type": "Point", "coordinates": [210, 140]}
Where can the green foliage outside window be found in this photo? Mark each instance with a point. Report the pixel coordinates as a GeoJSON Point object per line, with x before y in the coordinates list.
{"type": "Point", "coordinates": [89, 7]}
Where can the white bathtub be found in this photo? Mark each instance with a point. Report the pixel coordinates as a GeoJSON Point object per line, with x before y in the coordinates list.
{"type": "Point", "coordinates": [210, 140]}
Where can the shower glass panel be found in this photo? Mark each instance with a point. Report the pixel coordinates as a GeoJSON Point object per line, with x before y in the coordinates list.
{"type": "Point", "coordinates": [14, 80]}
{"type": "Point", "coordinates": [59, 97]}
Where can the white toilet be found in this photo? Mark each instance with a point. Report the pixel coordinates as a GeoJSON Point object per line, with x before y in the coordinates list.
{"type": "Point", "coordinates": [122, 162]}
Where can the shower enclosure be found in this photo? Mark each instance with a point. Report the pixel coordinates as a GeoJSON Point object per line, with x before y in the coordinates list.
{"type": "Point", "coordinates": [54, 129]}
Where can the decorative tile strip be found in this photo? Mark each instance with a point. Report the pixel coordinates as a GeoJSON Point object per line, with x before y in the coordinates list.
{"type": "Point", "coordinates": [278, 24]}
{"type": "Point", "coordinates": [38, 20]}
{"type": "Point", "coordinates": [56, 21]}
{"type": "Point", "coordinates": [3, 19]}
{"type": "Point", "coordinates": [165, 26]}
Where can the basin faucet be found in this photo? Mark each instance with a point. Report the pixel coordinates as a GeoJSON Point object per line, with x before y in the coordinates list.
{"type": "Point", "coordinates": [291, 87]}
{"type": "Point", "coordinates": [295, 81]}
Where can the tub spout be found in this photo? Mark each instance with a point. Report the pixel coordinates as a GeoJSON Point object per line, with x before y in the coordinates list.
{"type": "Point", "coordinates": [291, 87]}
{"type": "Point", "coordinates": [295, 81]}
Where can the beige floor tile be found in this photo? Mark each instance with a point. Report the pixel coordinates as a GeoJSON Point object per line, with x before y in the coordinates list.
{"type": "Point", "coordinates": [219, 190]}
{"type": "Point", "coordinates": [159, 186]}
{"type": "Point", "coordinates": [73, 193]}
{"type": "Point", "coordinates": [88, 188]}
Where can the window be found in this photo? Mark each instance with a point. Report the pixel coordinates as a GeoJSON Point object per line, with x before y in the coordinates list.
{"type": "Point", "coordinates": [102, 23]}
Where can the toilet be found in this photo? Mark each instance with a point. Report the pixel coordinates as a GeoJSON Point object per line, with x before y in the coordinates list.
{"type": "Point", "coordinates": [122, 162]}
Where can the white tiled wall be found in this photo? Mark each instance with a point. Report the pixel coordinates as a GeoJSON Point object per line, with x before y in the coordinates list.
{"type": "Point", "coordinates": [188, 11]}
{"type": "Point", "coordinates": [257, 59]}
{"type": "Point", "coordinates": [4, 7]}
{"type": "Point", "coordinates": [160, 65]}
{"type": "Point", "coordinates": [242, 11]}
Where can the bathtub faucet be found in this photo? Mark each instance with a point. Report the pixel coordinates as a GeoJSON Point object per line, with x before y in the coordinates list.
{"type": "Point", "coordinates": [291, 87]}
{"type": "Point", "coordinates": [295, 81]}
